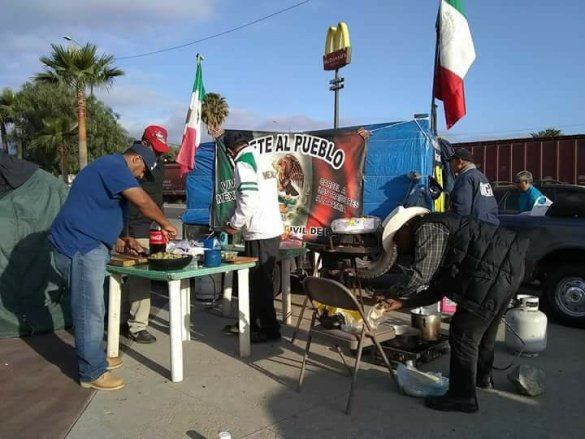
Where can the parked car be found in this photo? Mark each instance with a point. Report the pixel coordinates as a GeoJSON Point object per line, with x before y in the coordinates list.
{"type": "Point", "coordinates": [570, 196]}
{"type": "Point", "coordinates": [555, 261]}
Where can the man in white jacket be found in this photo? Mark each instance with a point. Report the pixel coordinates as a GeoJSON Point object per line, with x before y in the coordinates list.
{"type": "Point", "coordinates": [257, 216]}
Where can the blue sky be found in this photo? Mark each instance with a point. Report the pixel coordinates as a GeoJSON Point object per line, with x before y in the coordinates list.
{"type": "Point", "coordinates": [528, 74]}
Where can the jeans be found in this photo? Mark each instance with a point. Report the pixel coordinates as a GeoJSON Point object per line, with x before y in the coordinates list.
{"type": "Point", "coordinates": [85, 274]}
{"type": "Point", "coordinates": [262, 284]}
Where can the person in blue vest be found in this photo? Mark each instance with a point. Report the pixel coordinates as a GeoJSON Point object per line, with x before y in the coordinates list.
{"type": "Point", "coordinates": [83, 234]}
{"type": "Point", "coordinates": [529, 195]}
{"type": "Point", "coordinates": [477, 265]}
{"type": "Point", "coordinates": [472, 193]}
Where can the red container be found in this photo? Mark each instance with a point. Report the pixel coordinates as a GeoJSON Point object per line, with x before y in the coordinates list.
{"type": "Point", "coordinates": [447, 306]}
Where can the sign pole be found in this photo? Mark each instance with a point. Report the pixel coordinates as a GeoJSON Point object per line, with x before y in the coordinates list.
{"type": "Point", "coordinates": [336, 103]}
{"type": "Point", "coordinates": [337, 55]}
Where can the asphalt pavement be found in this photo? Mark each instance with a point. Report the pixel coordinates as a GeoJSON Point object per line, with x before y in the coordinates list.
{"type": "Point", "coordinates": [257, 397]}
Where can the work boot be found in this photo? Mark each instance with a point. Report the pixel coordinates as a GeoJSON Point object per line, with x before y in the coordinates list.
{"type": "Point", "coordinates": [265, 336]}
{"type": "Point", "coordinates": [232, 329]}
{"type": "Point", "coordinates": [448, 403]}
{"type": "Point", "coordinates": [486, 383]}
{"type": "Point", "coordinates": [114, 363]}
{"type": "Point", "coordinates": [143, 337]}
{"type": "Point", "coordinates": [107, 381]}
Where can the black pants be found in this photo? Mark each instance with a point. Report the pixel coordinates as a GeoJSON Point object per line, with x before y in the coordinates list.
{"type": "Point", "coordinates": [472, 340]}
{"type": "Point", "coordinates": [263, 314]}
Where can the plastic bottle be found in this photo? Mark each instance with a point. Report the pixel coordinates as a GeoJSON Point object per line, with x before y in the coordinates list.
{"type": "Point", "coordinates": [156, 239]}
{"type": "Point", "coordinates": [224, 435]}
{"type": "Point", "coordinates": [223, 239]}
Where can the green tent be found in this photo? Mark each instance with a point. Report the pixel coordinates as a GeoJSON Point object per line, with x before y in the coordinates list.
{"type": "Point", "coordinates": [33, 298]}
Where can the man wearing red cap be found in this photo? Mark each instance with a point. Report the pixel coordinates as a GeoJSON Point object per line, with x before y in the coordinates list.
{"type": "Point", "coordinates": [138, 227]}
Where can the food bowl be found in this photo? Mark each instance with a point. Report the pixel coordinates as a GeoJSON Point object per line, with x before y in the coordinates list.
{"type": "Point", "coordinates": [229, 256]}
{"type": "Point", "coordinates": [175, 262]}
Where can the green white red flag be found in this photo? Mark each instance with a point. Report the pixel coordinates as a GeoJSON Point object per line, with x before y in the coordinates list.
{"type": "Point", "coordinates": [455, 54]}
{"type": "Point", "coordinates": [192, 133]}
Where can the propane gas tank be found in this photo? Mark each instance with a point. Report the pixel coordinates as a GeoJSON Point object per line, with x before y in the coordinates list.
{"type": "Point", "coordinates": [526, 329]}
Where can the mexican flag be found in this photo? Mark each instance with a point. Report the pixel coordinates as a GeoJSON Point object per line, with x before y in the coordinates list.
{"type": "Point", "coordinates": [192, 133]}
{"type": "Point", "coordinates": [455, 54]}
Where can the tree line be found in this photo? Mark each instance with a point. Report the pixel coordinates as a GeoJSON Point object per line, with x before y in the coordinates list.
{"type": "Point", "coordinates": [51, 121]}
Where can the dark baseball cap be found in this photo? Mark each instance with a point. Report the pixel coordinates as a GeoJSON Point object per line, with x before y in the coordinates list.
{"type": "Point", "coordinates": [147, 156]}
{"type": "Point", "coordinates": [463, 154]}
{"type": "Point", "coordinates": [233, 139]}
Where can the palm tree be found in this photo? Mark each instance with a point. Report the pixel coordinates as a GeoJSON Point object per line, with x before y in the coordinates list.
{"type": "Point", "coordinates": [7, 114]}
{"type": "Point", "coordinates": [79, 68]}
{"type": "Point", "coordinates": [58, 132]}
{"type": "Point", "coordinates": [214, 111]}
{"type": "Point", "coordinates": [549, 132]}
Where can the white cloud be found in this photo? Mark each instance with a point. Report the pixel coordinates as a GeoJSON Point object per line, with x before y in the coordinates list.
{"type": "Point", "coordinates": [123, 27]}
{"type": "Point", "coordinates": [27, 28]}
{"type": "Point", "coordinates": [21, 16]}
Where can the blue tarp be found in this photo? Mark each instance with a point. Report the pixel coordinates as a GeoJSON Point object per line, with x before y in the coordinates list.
{"type": "Point", "coordinates": [394, 150]}
{"type": "Point", "coordinates": [199, 186]}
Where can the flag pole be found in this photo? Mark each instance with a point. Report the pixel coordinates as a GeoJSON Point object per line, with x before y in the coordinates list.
{"type": "Point", "coordinates": [436, 63]}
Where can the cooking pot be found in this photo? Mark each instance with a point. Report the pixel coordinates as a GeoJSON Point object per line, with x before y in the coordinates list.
{"type": "Point", "coordinates": [429, 324]}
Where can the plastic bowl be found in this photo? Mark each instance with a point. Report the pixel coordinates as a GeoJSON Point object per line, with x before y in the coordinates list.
{"type": "Point", "coordinates": [229, 256]}
{"type": "Point", "coordinates": [169, 264]}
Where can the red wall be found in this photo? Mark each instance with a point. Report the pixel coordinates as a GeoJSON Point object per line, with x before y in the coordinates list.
{"type": "Point", "coordinates": [561, 158]}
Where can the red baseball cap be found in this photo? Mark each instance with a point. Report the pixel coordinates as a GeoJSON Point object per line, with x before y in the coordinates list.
{"type": "Point", "coordinates": [157, 137]}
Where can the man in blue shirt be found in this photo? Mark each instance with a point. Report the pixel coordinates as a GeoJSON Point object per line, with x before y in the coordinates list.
{"type": "Point", "coordinates": [529, 194]}
{"type": "Point", "coordinates": [82, 236]}
{"type": "Point", "coordinates": [472, 193]}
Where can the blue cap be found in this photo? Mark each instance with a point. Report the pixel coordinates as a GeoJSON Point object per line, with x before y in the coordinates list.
{"type": "Point", "coordinates": [147, 155]}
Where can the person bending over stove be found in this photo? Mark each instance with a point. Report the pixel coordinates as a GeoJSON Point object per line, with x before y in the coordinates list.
{"type": "Point", "coordinates": [477, 265]}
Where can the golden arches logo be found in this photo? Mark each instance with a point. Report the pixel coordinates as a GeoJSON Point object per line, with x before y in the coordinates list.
{"type": "Point", "coordinates": [337, 47]}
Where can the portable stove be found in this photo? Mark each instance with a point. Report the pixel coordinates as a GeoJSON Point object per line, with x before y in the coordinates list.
{"type": "Point", "coordinates": [423, 352]}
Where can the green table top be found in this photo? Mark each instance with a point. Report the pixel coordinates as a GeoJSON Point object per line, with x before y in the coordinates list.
{"type": "Point", "coordinates": [189, 271]}
{"type": "Point", "coordinates": [194, 270]}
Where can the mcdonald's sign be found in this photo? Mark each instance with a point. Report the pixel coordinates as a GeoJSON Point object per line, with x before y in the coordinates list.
{"type": "Point", "coordinates": [337, 47]}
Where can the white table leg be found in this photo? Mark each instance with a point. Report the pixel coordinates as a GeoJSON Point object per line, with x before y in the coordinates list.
{"type": "Point", "coordinates": [114, 315]}
{"type": "Point", "coordinates": [186, 309]}
{"type": "Point", "coordinates": [285, 287]}
{"type": "Point", "coordinates": [176, 330]}
{"type": "Point", "coordinates": [226, 301]}
{"type": "Point", "coordinates": [244, 311]}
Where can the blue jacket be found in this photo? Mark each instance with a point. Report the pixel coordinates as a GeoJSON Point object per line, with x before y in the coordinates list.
{"type": "Point", "coordinates": [527, 200]}
{"type": "Point", "coordinates": [472, 195]}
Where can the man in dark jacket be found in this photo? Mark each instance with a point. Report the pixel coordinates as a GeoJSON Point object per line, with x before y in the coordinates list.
{"type": "Point", "coordinates": [477, 265]}
{"type": "Point", "coordinates": [138, 227]}
{"type": "Point", "coordinates": [472, 194]}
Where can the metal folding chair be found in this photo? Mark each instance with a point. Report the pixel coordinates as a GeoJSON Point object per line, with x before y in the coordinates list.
{"type": "Point", "coordinates": [332, 293]}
